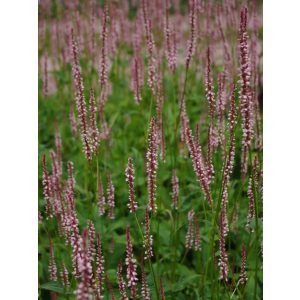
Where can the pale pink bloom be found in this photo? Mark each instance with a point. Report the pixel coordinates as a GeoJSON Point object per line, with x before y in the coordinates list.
{"type": "Point", "coordinates": [52, 264]}
{"type": "Point", "coordinates": [121, 282]}
{"type": "Point", "coordinates": [129, 173]}
{"type": "Point", "coordinates": [148, 242]}
{"type": "Point", "coordinates": [223, 259]}
{"type": "Point", "coordinates": [145, 291]}
{"type": "Point", "coordinates": [110, 197]}
{"type": "Point", "coordinates": [46, 188]}
{"type": "Point", "coordinates": [189, 238]}
{"type": "Point", "coordinates": [152, 164]}
{"type": "Point", "coordinates": [243, 275]}
{"type": "Point", "coordinates": [131, 265]}
{"type": "Point", "coordinates": [175, 189]}
{"type": "Point", "coordinates": [64, 275]}
{"type": "Point", "coordinates": [101, 198]}
{"type": "Point", "coordinates": [100, 272]}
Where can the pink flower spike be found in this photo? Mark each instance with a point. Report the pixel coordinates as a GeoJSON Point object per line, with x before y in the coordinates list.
{"type": "Point", "coordinates": [110, 197]}
{"type": "Point", "coordinates": [189, 238]}
{"type": "Point", "coordinates": [52, 264]}
{"type": "Point", "coordinates": [121, 282]}
{"type": "Point", "coordinates": [152, 164]}
{"type": "Point", "coordinates": [131, 266]}
{"type": "Point", "coordinates": [129, 173]}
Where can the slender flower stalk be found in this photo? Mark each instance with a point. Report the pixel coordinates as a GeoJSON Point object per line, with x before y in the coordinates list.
{"type": "Point", "coordinates": [46, 188]}
{"type": "Point", "coordinates": [91, 239]}
{"type": "Point", "coordinates": [64, 275]}
{"type": "Point", "coordinates": [243, 276]}
{"type": "Point", "coordinates": [246, 106]}
{"type": "Point", "coordinates": [192, 40]}
{"type": "Point", "coordinates": [152, 164]}
{"type": "Point", "coordinates": [80, 99]}
{"type": "Point", "coordinates": [199, 167]}
{"type": "Point", "coordinates": [103, 71]}
{"type": "Point", "coordinates": [100, 272]}
{"type": "Point", "coordinates": [110, 197]}
{"type": "Point", "coordinates": [83, 291]}
{"type": "Point", "coordinates": [121, 283]}
{"type": "Point", "coordinates": [148, 241]}
{"type": "Point", "coordinates": [93, 129]}
{"type": "Point", "coordinates": [189, 238]}
{"type": "Point", "coordinates": [101, 198]}
{"type": "Point", "coordinates": [175, 190]}
{"type": "Point", "coordinates": [52, 264]}
{"type": "Point", "coordinates": [129, 173]}
{"type": "Point", "coordinates": [145, 289]}
{"type": "Point", "coordinates": [251, 207]}
{"type": "Point", "coordinates": [210, 166]}
{"type": "Point", "coordinates": [137, 77]}
{"type": "Point", "coordinates": [131, 265]}
{"type": "Point", "coordinates": [161, 290]}
{"type": "Point", "coordinates": [210, 95]}
{"type": "Point", "coordinates": [223, 260]}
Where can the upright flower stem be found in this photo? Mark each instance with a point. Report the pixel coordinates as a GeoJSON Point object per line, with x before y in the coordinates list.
{"type": "Point", "coordinates": [149, 260]}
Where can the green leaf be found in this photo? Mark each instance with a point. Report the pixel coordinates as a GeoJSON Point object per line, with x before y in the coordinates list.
{"type": "Point", "coordinates": [53, 286]}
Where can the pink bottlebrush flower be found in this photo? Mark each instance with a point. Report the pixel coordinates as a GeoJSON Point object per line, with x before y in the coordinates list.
{"type": "Point", "coordinates": [80, 99]}
{"type": "Point", "coordinates": [189, 238]}
{"type": "Point", "coordinates": [228, 166]}
{"type": "Point", "coordinates": [101, 198]}
{"type": "Point", "coordinates": [145, 291]}
{"type": "Point", "coordinates": [210, 167]}
{"type": "Point", "coordinates": [232, 112]}
{"type": "Point", "coordinates": [221, 105]}
{"type": "Point", "coordinates": [71, 179]}
{"type": "Point", "coordinates": [110, 197]}
{"type": "Point", "coordinates": [100, 272]}
{"type": "Point", "coordinates": [93, 129]}
{"type": "Point", "coordinates": [121, 282]}
{"type": "Point", "coordinates": [170, 40]}
{"type": "Point", "coordinates": [255, 171]}
{"type": "Point", "coordinates": [129, 173]}
{"type": "Point", "coordinates": [197, 236]}
{"type": "Point", "coordinates": [192, 40]}
{"type": "Point", "coordinates": [152, 164]}
{"type": "Point", "coordinates": [55, 186]}
{"type": "Point", "coordinates": [223, 260]}
{"type": "Point", "coordinates": [137, 77]}
{"type": "Point", "coordinates": [45, 82]}
{"type": "Point", "coordinates": [251, 207]}
{"type": "Point", "coordinates": [161, 290]}
{"type": "Point", "coordinates": [91, 240]}
{"type": "Point", "coordinates": [226, 54]}
{"type": "Point", "coordinates": [243, 276]}
{"type": "Point", "coordinates": [199, 168]}
{"type": "Point", "coordinates": [210, 95]}
{"type": "Point", "coordinates": [72, 222]}
{"type": "Point", "coordinates": [152, 78]}
{"type": "Point", "coordinates": [73, 122]}
{"type": "Point", "coordinates": [148, 242]}
{"type": "Point", "coordinates": [46, 188]}
{"type": "Point", "coordinates": [103, 72]}
{"type": "Point", "coordinates": [131, 265]}
{"type": "Point", "coordinates": [52, 264]}
{"type": "Point", "coordinates": [175, 189]}
{"type": "Point", "coordinates": [83, 291]}
{"type": "Point", "coordinates": [246, 106]}
{"type": "Point", "coordinates": [64, 275]}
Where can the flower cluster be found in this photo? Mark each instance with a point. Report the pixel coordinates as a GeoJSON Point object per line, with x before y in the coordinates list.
{"type": "Point", "coordinates": [152, 164]}
{"type": "Point", "coordinates": [131, 265]}
{"type": "Point", "coordinates": [129, 173]}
